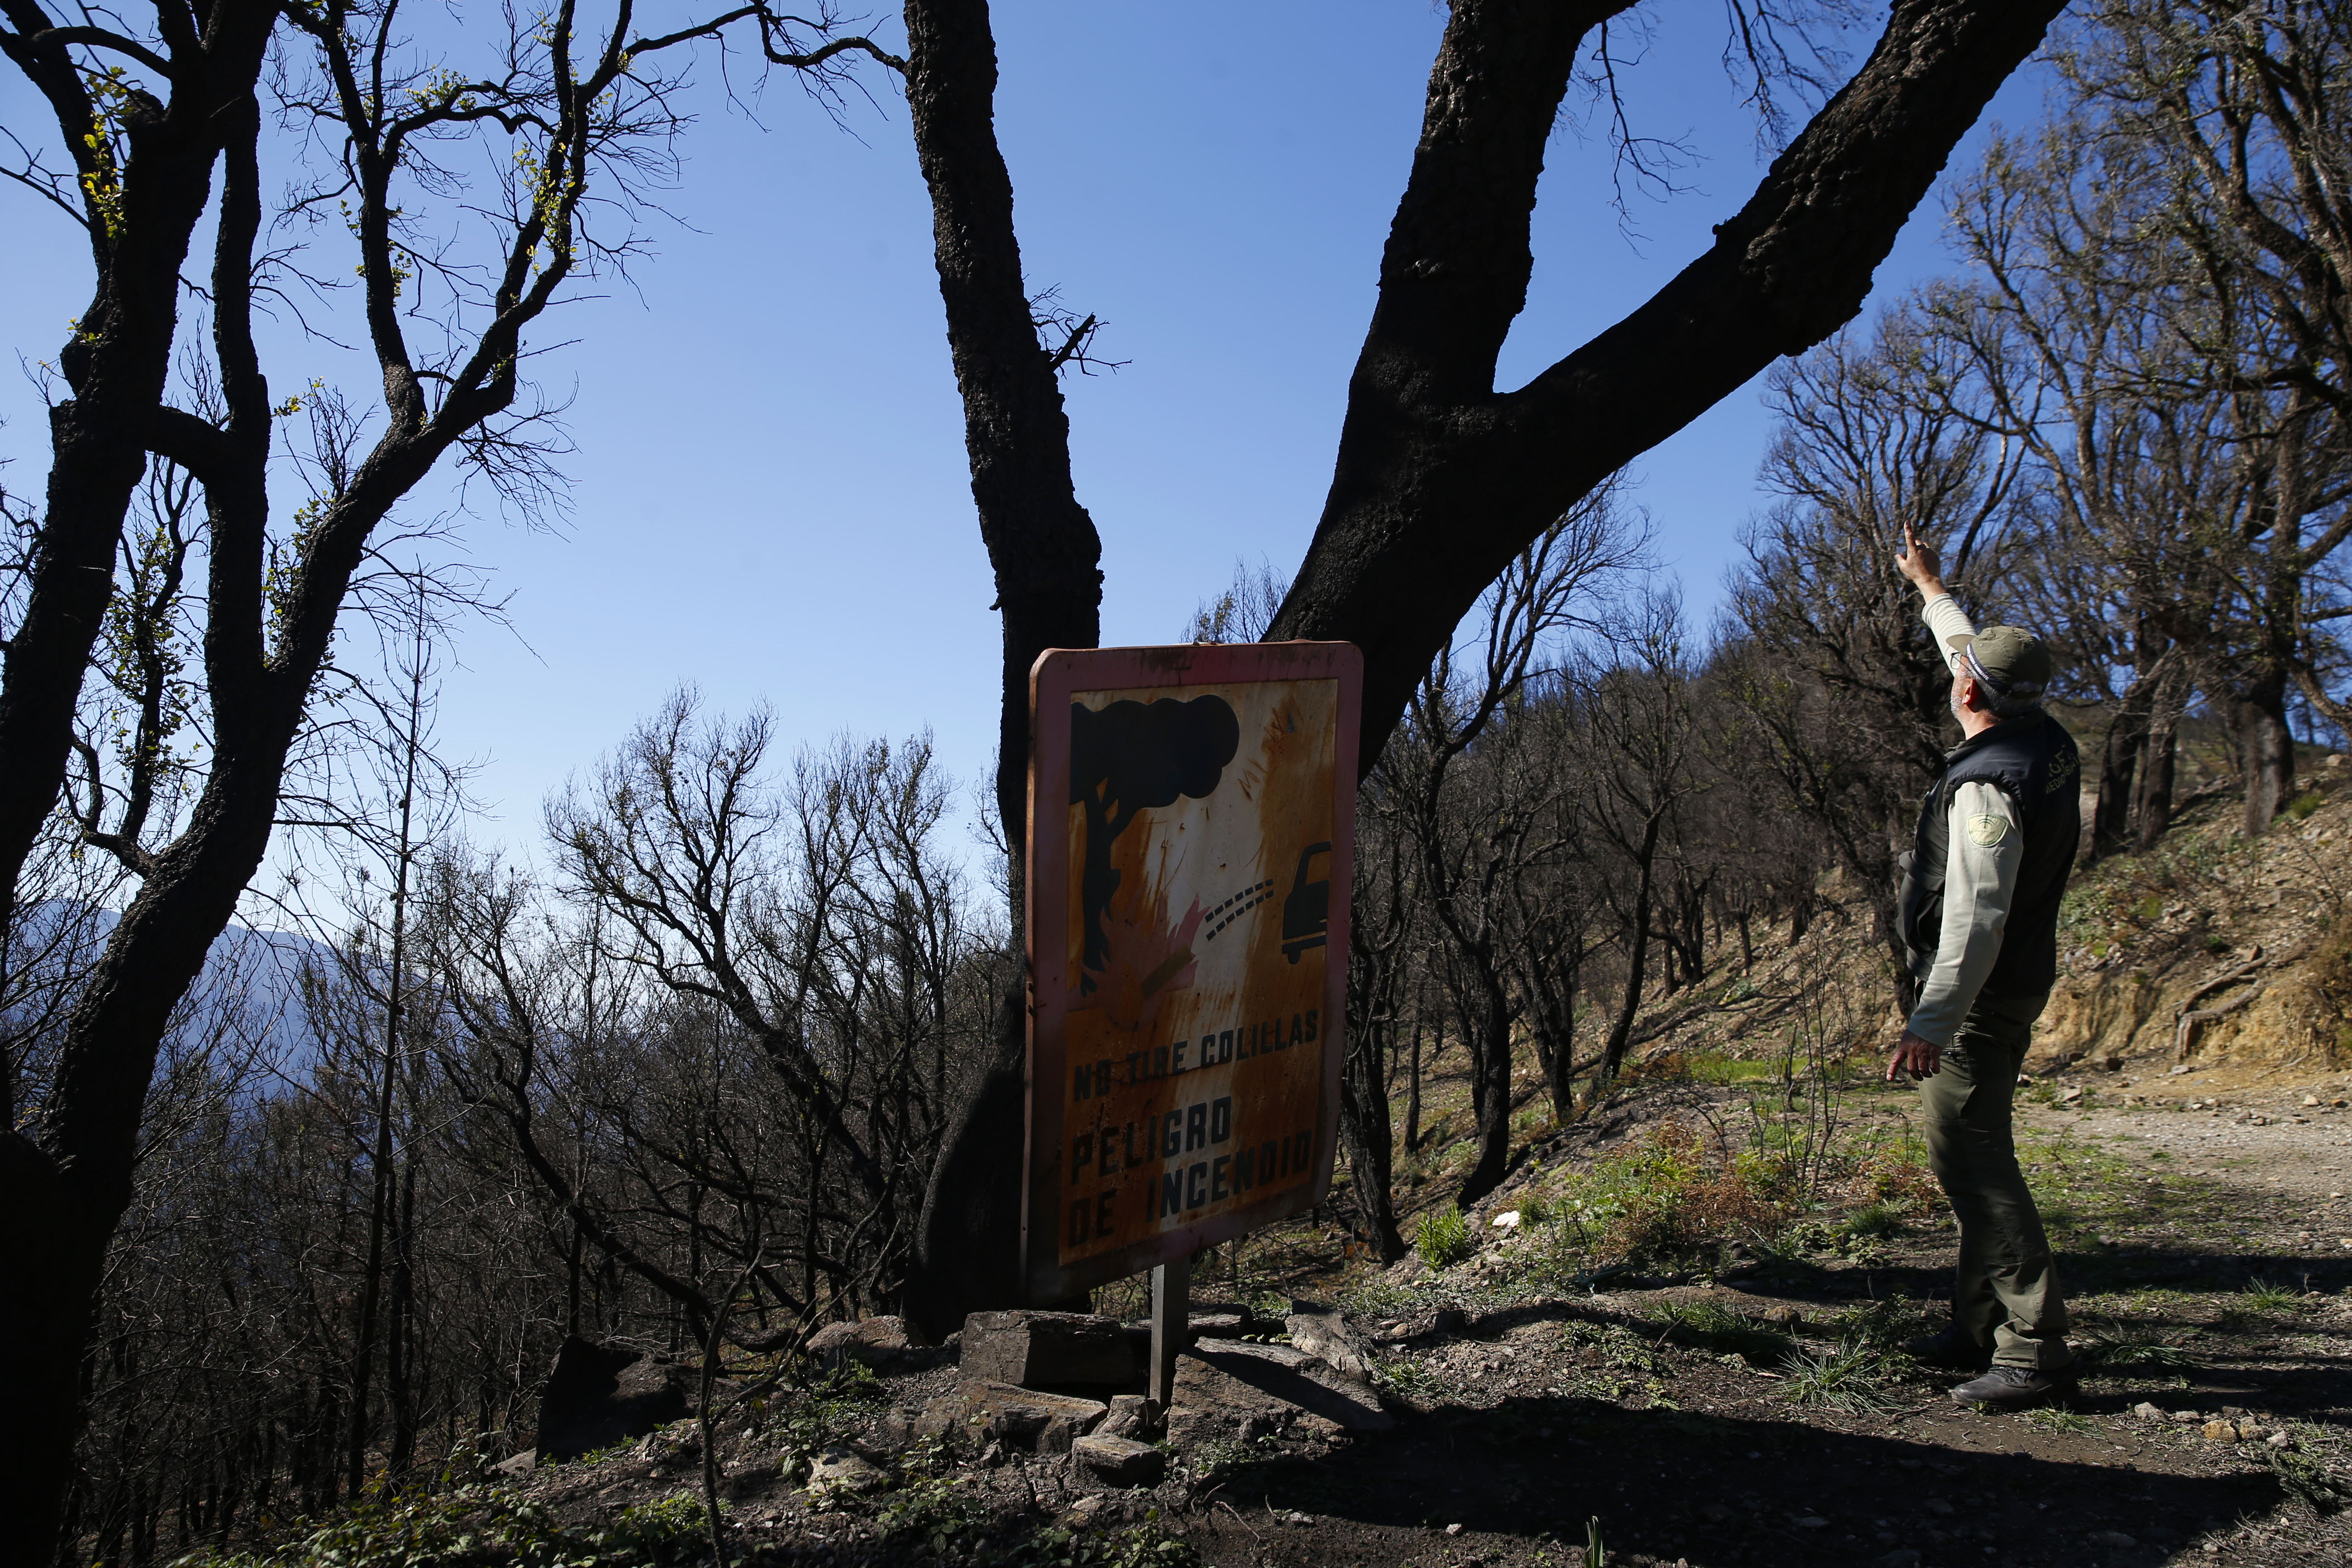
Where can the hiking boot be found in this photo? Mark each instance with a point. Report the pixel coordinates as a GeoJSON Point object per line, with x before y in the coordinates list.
{"type": "Point", "coordinates": [1952, 1350]}
{"type": "Point", "coordinates": [2017, 1387]}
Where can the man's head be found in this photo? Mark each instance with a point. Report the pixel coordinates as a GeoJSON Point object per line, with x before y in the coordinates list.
{"type": "Point", "coordinates": [2000, 673]}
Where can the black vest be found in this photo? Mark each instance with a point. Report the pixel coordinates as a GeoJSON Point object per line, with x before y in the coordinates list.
{"type": "Point", "coordinates": [2032, 761]}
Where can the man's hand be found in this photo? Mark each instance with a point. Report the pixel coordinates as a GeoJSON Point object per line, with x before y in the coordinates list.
{"type": "Point", "coordinates": [1920, 563]}
{"type": "Point", "coordinates": [1919, 1057]}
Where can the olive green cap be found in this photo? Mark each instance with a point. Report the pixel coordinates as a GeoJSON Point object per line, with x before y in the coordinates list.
{"type": "Point", "coordinates": [2009, 660]}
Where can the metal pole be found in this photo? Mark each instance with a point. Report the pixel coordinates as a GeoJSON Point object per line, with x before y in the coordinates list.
{"type": "Point", "coordinates": [1172, 1317]}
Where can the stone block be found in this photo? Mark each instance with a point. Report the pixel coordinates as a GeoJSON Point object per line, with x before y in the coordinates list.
{"type": "Point", "coordinates": [1047, 1349]}
{"type": "Point", "coordinates": [1323, 1333]}
{"type": "Point", "coordinates": [838, 1469]}
{"type": "Point", "coordinates": [1131, 1416]}
{"type": "Point", "coordinates": [1425, 1325]}
{"type": "Point", "coordinates": [599, 1395]}
{"type": "Point", "coordinates": [1226, 1386]}
{"type": "Point", "coordinates": [878, 1343]}
{"type": "Point", "coordinates": [1017, 1417]}
{"type": "Point", "coordinates": [1120, 1460]}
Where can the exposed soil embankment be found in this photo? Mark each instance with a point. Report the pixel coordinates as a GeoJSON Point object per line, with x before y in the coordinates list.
{"type": "Point", "coordinates": [2215, 952]}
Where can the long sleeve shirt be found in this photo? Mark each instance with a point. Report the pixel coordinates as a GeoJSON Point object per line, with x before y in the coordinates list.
{"type": "Point", "coordinates": [1987, 844]}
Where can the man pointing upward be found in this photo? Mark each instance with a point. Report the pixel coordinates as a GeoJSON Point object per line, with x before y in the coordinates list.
{"type": "Point", "coordinates": [1988, 866]}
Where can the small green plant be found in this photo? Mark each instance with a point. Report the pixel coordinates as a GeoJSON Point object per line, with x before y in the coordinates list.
{"type": "Point", "coordinates": [1670, 1196]}
{"type": "Point", "coordinates": [2264, 1297]}
{"type": "Point", "coordinates": [1535, 1208]}
{"type": "Point", "coordinates": [2134, 1350]}
{"type": "Point", "coordinates": [1404, 1376]}
{"type": "Point", "coordinates": [2305, 1478]}
{"type": "Point", "coordinates": [822, 1415]}
{"type": "Point", "coordinates": [2051, 1418]}
{"type": "Point", "coordinates": [2302, 806]}
{"type": "Point", "coordinates": [1719, 1329]}
{"type": "Point", "coordinates": [1888, 1325]}
{"type": "Point", "coordinates": [1856, 1377]}
{"type": "Point", "coordinates": [668, 1530]}
{"type": "Point", "coordinates": [1618, 1347]}
{"type": "Point", "coordinates": [932, 1513]}
{"type": "Point", "coordinates": [1714, 1066]}
{"type": "Point", "coordinates": [1878, 1221]}
{"type": "Point", "coordinates": [1144, 1545]}
{"type": "Point", "coordinates": [1595, 1554]}
{"type": "Point", "coordinates": [2218, 944]}
{"type": "Point", "coordinates": [599, 1455]}
{"type": "Point", "coordinates": [1218, 1460]}
{"type": "Point", "coordinates": [477, 1527]}
{"type": "Point", "coordinates": [1444, 1238]}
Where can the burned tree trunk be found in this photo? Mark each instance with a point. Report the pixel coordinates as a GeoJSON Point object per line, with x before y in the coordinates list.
{"type": "Point", "coordinates": [1044, 551]}
{"type": "Point", "coordinates": [1441, 478]}
{"type": "Point", "coordinates": [2119, 764]}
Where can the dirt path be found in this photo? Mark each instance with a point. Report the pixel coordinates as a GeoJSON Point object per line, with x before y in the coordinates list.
{"type": "Point", "coordinates": [1749, 1419]}
{"type": "Point", "coordinates": [2204, 1251]}
{"type": "Point", "coordinates": [2260, 1140]}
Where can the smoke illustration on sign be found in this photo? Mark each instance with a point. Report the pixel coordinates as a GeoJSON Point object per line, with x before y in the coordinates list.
{"type": "Point", "coordinates": [1127, 758]}
{"type": "Point", "coordinates": [1186, 1009]}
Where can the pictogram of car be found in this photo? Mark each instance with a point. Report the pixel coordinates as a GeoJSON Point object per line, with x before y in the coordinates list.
{"type": "Point", "coordinates": [1307, 910]}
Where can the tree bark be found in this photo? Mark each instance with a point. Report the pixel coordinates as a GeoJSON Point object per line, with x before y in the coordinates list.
{"type": "Point", "coordinates": [64, 1188]}
{"type": "Point", "coordinates": [1637, 952]}
{"type": "Point", "coordinates": [1440, 480]}
{"type": "Point", "coordinates": [1559, 1053]}
{"type": "Point", "coordinates": [1413, 1090]}
{"type": "Point", "coordinates": [62, 1194]}
{"type": "Point", "coordinates": [1364, 1130]}
{"type": "Point", "coordinates": [2119, 767]}
{"type": "Point", "coordinates": [1041, 542]}
{"type": "Point", "coordinates": [2269, 750]}
{"type": "Point", "coordinates": [1043, 549]}
{"type": "Point", "coordinates": [116, 365]}
{"type": "Point", "coordinates": [1490, 1062]}
{"type": "Point", "coordinates": [2152, 815]}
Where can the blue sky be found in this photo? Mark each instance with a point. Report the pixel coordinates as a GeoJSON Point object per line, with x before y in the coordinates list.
{"type": "Point", "coordinates": [769, 496]}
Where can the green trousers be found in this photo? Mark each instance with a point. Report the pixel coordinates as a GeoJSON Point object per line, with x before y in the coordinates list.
{"type": "Point", "coordinates": [2005, 1292]}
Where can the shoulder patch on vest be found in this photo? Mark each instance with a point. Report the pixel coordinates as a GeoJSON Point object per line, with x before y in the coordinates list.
{"type": "Point", "coordinates": [1987, 830]}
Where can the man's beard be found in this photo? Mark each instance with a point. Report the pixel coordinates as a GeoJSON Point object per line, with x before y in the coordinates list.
{"type": "Point", "coordinates": [1952, 701]}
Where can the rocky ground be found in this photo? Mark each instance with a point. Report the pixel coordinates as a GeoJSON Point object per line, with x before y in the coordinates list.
{"type": "Point", "coordinates": [2197, 1185]}
{"type": "Point", "coordinates": [1743, 1415]}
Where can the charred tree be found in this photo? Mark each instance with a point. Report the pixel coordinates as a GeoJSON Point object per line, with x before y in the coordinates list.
{"type": "Point", "coordinates": [1440, 480]}
{"type": "Point", "coordinates": [1043, 549]}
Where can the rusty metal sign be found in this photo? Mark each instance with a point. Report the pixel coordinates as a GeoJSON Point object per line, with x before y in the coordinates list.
{"type": "Point", "coordinates": [1192, 838]}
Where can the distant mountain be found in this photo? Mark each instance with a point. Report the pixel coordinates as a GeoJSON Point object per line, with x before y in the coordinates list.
{"type": "Point", "coordinates": [254, 972]}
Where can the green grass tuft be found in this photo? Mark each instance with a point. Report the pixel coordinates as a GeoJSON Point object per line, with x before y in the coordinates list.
{"type": "Point", "coordinates": [1878, 1221]}
{"type": "Point", "coordinates": [2131, 1350]}
{"type": "Point", "coordinates": [479, 1527]}
{"type": "Point", "coordinates": [1444, 1238]}
{"type": "Point", "coordinates": [1719, 1329]}
{"type": "Point", "coordinates": [2051, 1418]}
{"type": "Point", "coordinates": [2266, 1296]}
{"type": "Point", "coordinates": [1857, 1376]}
{"type": "Point", "coordinates": [2305, 1478]}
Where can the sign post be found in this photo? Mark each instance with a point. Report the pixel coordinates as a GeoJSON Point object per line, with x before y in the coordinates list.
{"type": "Point", "coordinates": [1192, 841]}
{"type": "Point", "coordinates": [1171, 1314]}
